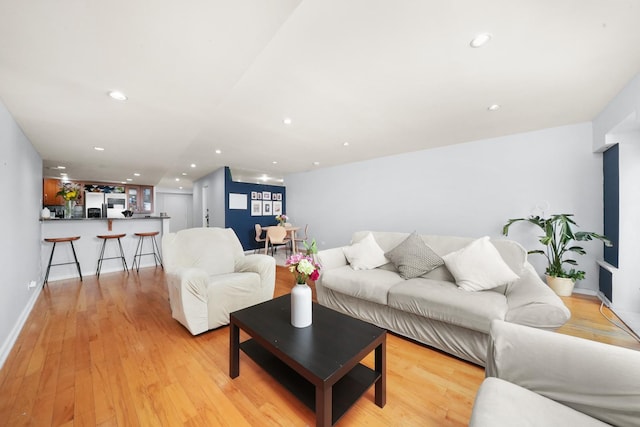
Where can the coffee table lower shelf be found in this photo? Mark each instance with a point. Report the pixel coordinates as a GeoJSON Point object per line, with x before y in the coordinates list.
{"type": "Point", "coordinates": [345, 392]}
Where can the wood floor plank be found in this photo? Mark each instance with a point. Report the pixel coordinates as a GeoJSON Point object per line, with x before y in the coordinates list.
{"type": "Point", "coordinates": [107, 353]}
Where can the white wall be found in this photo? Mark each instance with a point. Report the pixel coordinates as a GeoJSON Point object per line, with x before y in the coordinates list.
{"type": "Point", "coordinates": [626, 287]}
{"type": "Point", "coordinates": [468, 189]}
{"type": "Point", "coordinates": [214, 188]}
{"type": "Point", "coordinates": [179, 206]}
{"type": "Point", "coordinates": [21, 175]}
{"type": "Point", "coordinates": [621, 113]}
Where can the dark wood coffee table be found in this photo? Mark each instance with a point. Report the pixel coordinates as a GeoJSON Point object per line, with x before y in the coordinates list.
{"type": "Point", "coordinates": [319, 364]}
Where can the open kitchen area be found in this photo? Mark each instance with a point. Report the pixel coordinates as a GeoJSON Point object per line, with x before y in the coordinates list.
{"type": "Point", "coordinates": [88, 210]}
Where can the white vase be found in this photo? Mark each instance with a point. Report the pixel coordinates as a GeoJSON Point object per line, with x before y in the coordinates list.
{"type": "Point", "coordinates": [301, 305]}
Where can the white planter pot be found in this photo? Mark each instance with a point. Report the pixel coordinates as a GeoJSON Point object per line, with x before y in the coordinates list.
{"type": "Point", "coordinates": [562, 286]}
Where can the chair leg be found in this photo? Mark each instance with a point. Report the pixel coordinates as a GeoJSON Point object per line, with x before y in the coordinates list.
{"type": "Point", "coordinates": [46, 276]}
{"type": "Point", "coordinates": [124, 262]}
{"type": "Point", "coordinates": [156, 252]}
{"type": "Point", "coordinates": [76, 258]}
{"type": "Point", "coordinates": [104, 242]}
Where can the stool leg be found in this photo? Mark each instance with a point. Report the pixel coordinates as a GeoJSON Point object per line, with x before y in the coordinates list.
{"type": "Point", "coordinates": [46, 276]}
{"type": "Point", "coordinates": [104, 242]}
{"type": "Point", "coordinates": [124, 262]}
{"type": "Point", "coordinates": [155, 258]}
{"type": "Point", "coordinates": [138, 249]}
{"type": "Point", "coordinates": [76, 258]}
{"type": "Point", "coordinates": [156, 252]}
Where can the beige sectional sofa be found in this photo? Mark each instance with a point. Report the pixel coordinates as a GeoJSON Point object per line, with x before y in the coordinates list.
{"type": "Point", "coordinates": [432, 308]}
{"type": "Point", "coordinates": [539, 378]}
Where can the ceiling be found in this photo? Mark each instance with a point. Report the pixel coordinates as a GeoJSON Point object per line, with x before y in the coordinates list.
{"type": "Point", "coordinates": [386, 77]}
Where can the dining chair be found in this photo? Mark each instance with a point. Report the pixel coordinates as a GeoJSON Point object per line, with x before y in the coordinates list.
{"type": "Point", "coordinates": [300, 240]}
{"type": "Point", "coordinates": [276, 236]}
{"type": "Point", "coordinates": [259, 237]}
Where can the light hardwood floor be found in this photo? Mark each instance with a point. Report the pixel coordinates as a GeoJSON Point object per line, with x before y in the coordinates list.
{"type": "Point", "coordinates": [108, 353]}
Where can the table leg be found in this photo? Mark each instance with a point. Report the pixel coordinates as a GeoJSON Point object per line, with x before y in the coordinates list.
{"type": "Point", "coordinates": [234, 350]}
{"type": "Point", "coordinates": [324, 410]}
{"type": "Point", "coordinates": [293, 242]}
{"type": "Point", "coordinates": [381, 366]}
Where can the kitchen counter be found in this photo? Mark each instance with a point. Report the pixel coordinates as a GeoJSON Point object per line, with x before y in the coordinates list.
{"type": "Point", "coordinates": [88, 246]}
{"type": "Point", "coordinates": [105, 219]}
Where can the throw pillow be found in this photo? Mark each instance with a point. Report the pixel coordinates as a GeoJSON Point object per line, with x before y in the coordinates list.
{"type": "Point", "coordinates": [366, 254]}
{"type": "Point", "coordinates": [413, 257]}
{"type": "Point", "coordinates": [479, 266]}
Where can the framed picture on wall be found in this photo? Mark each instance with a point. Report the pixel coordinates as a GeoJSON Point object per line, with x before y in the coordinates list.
{"type": "Point", "coordinates": [277, 196]}
{"type": "Point", "coordinates": [259, 195]}
{"type": "Point", "coordinates": [266, 195]}
{"type": "Point", "coordinates": [254, 195]}
{"type": "Point", "coordinates": [277, 208]}
{"type": "Point", "coordinates": [256, 208]}
{"type": "Point", "coordinates": [267, 208]}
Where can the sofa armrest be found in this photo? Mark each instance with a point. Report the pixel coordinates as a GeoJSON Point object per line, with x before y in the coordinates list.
{"type": "Point", "coordinates": [188, 298]}
{"type": "Point", "coordinates": [597, 379]}
{"type": "Point", "coordinates": [332, 258]}
{"type": "Point", "coordinates": [532, 303]}
{"type": "Point", "coordinates": [264, 266]}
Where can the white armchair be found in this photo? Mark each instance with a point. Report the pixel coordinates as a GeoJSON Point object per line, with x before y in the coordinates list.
{"type": "Point", "coordinates": [543, 378]}
{"type": "Point", "coordinates": [209, 276]}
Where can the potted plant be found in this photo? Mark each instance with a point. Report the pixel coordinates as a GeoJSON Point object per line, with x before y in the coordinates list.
{"type": "Point", "coordinates": [559, 238]}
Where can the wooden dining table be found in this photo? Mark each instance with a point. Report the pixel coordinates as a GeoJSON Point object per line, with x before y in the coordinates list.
{"type": "Point", "coordinates": [291, 231]}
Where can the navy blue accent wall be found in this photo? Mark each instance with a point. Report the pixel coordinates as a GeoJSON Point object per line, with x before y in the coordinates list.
{"type": "Point", "coordinates": [611, 191]}
{"type": "Point", "coordinates": [241, 220]}
{"type": "Point", "coordinates": [606, 283]}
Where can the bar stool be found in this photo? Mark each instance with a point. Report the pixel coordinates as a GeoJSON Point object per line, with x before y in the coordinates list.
{"type": "Point", "coordinates": [154, 247]}
{"type": "Point", "coordinates": [102, 257]}
{"type": "Point", "coordinates": [56, 240]}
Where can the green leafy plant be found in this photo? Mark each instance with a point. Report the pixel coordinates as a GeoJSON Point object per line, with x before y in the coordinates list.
{"type": "Point", "coordinates": [559, 239]}
{"type": "Point", "coordinates": [310, 248]}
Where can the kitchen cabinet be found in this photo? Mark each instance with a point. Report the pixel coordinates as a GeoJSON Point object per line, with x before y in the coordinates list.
{"type": "Point", "coordinates": [140, 198]}
{"type": "Point", "coordinates": [50, 186]}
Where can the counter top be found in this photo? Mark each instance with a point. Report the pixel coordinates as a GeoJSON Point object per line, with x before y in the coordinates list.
{"type": "Point", "coordinates": [105, 219]}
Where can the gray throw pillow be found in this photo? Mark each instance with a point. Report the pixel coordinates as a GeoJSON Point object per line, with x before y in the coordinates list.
{"type": "Point", "coordinates": [413, 257]}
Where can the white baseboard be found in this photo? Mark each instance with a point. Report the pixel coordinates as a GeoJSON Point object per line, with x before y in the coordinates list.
{"type": "Point", "coordinates": [17, 328]}
{"type": "Point", "coordinates": [585, 291]}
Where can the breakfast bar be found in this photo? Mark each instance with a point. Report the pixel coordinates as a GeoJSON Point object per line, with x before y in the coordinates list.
{"type": "Point", "coordinates": [88, 246]}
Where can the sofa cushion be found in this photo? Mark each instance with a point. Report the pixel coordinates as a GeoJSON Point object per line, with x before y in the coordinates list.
{"type": "Point", "coordinates": [445, 302]}
{"type": "Point", "coordinates": [369, 285]}
{"type": "Point", "coordinates": [413, 257]}
{"type": "Point", "coordinates": [365, 254]}
{"type": "Point", "coordinates": [501, 403]}
{"type": "Point", "coordinates": [479, 266]}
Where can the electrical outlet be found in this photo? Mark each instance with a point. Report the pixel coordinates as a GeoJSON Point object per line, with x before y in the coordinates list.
{"type": "Point", "coordinates": [31, 284]}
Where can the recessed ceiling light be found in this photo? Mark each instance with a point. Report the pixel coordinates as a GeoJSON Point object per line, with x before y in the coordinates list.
{"type": "Point", "coordinates": [177, 179]}
{"type": "Point", "coordinates": [287, 121]}
{"type": "Point", "coordinates": [264, 178]}
{"type": "Point", "coordinates": [193, 165]}
{"type": "Point", "coordinates": [123, 182]}
{"type": "Point", "coordinates": [117, 95]}
{"type": "Point", "coordinates": [184, 174]}
{"type": "Point", "coordinates": [61, 167]}
{"type": "Point", "coordinates": [136, 174]}
{"type": "Point", "coordinates": [316, 163]}
{"type": "Point", "coordinates": [180, 187]}
{"type": "Point", "coordinates": [98, 148]}
{"type": "Point", "coordinates": [481, 39]}
{"type": "Point", "coordinates": [129, 179]}
{"type": "Point", "coordinates": [346, 144]}
{"type": "Point", "coordinates": [218, 151]}
{"type": "Point", "coordinates": [493, 107]}
{"type": "Point", "coordinates": [63, 174]}
{"type": "Point", "coordinates": [274, 162]}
